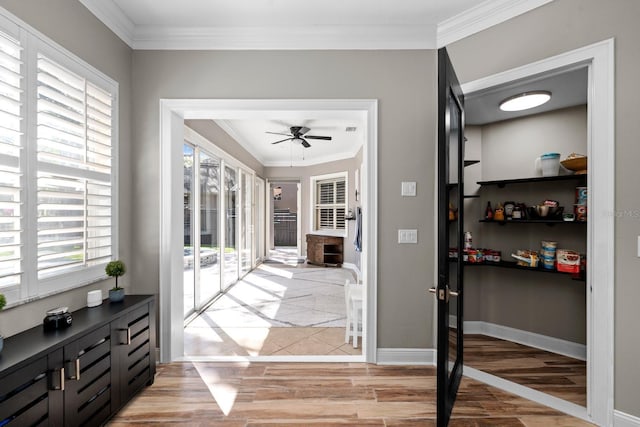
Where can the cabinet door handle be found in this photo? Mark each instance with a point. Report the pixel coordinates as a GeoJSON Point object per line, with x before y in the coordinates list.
{"type": "Point", "coordinates": [128, 330]}
{"type": "Point", "coordinates": [76, 377]}
{"type": "Point", "coordinates": [61, 379]}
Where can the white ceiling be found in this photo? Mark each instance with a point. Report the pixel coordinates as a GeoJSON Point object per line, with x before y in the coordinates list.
{"type": "Point", "coordinates": [251, 134]}
{"type": "Point", "coordinates": [301, 24]}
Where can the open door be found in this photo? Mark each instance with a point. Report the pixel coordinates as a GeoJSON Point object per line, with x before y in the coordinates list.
{"type": "Point", "coordinates": [449, 288]}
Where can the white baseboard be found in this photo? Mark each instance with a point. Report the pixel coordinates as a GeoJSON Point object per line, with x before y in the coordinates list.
{"type": "Point", "coordinates": [531, 339]}
{"type": "Point", "coordinates": [406, 356]}
{"type": "Point", "coordinates": [620, 419]}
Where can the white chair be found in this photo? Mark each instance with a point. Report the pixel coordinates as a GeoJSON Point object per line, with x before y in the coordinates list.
{"type": "Point", "coordinates": [353, 301]}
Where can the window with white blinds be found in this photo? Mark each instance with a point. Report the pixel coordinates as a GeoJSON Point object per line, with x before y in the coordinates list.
{"type": "Point", "coordinates": [11, 154]}
{"type": "Point", "coordinates": [330, 203]}
{"type": "Point", "coordinates": [57, 182]}
{"type": "Point", "coordinates": [74, 170]}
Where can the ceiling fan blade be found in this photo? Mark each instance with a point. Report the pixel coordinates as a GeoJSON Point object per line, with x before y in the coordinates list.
{"type": "Point", "coordinates": [278, 133]}
{"type": "Point", "coordinates": [303, 130]}
{"type": "Point", "coordinates": [325, 138]}
{"type": "Point", "coordinates": [282, 140]}
{"type": "Point", "coordinates": [305, 144]}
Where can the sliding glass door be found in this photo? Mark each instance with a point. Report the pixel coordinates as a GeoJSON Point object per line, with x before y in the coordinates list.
{"type": "Point", "coordinates": [246, 222]}
{"type": "Point", "coordinates": [209, 277]}
{"type": "Point", "coordinates": [219, 223]}
{"type": "Point", "coordinates": [230, 251]}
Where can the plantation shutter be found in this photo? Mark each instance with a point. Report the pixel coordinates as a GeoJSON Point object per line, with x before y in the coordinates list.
{"type": "Point", "coordinates": [11, 152]}
{"type": "Point", "coordinates": [330, 204]}
{"type": "Point", "coordinates": [74, 153]}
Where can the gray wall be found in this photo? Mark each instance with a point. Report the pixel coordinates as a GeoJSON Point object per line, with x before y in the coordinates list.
{"type": "Point", "coordinates": [288, 196]}
{"type": "Point", "coordinates": [551, 305]}
{"type": "Point", "coordinates": [214, 133]}
{"type": "Point", "coordinates": [552, 29]}
{"type": "Point", "coordinates": [304, 174]}
{"type": "Point", "coordinates": [404, 82]}
{"type": "Point", "coordinates": [76, 29]}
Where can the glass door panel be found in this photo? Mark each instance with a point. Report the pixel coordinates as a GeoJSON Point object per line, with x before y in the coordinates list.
{"type": "Point", "coordinates": [246, 231]}
{"type": "Point", "coordinates": [230, 251]}
{"type": "Point", "coordinates": [188, 154]}
{"type": "Point", "coordinates": [209, 274]}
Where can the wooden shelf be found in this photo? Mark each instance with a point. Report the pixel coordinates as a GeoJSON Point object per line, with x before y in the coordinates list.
{"type": "Point", "coordinates": [533, 221]}
{"type": "Point", "coordinates": [503, 182]}
{"type": "Point", "coordinates": [515, 266]}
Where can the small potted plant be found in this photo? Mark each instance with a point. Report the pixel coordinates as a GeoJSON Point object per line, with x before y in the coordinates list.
{"type": "Point", "coordinates": [115, 269]}
{"type": "Point", "coordinates": [3, 302]}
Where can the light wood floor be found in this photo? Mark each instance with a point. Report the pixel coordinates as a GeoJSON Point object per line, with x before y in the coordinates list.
{"type": "Point", "coordinates": [321, 395]}
{"type": "Point", "coordinates": [550, 373]}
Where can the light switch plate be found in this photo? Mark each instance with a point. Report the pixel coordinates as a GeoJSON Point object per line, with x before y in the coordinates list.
{"type": "Point", "coordinates": [409, 188]}
{"type": "Point", "coordinates": [408, 236]}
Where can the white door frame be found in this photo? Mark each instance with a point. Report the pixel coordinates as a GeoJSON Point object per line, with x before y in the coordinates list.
{"type": "Point", "coordinates": [599, 58]}
{"type": "Point", "coordinates": [173, 112]}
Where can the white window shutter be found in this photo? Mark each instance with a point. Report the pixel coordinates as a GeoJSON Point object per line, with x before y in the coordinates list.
{"type": "Point", "coordinates": [11, 152]}
{"type": "Point", "coordinates": [74, 145]}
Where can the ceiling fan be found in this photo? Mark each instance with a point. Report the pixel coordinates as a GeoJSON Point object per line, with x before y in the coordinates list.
{"type": "Point", "coordinates": [297, 133]}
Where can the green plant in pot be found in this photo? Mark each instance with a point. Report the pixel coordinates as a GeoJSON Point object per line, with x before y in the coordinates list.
{"type": "Point", "coordinates": [115, 269]}
{"type": "Point", "coordinates": [3, 302]}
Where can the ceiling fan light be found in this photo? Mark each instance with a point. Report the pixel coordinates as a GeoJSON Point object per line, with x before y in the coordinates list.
{"type": "Point", "coordinates": [525, 101]}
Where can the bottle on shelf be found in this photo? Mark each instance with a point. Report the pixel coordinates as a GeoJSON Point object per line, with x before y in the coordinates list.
{"type": "Point", "coordinates": [488, 213]}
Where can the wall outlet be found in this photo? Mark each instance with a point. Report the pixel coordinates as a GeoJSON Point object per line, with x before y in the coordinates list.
{"type": "Point", "coordinates": [407, 236]}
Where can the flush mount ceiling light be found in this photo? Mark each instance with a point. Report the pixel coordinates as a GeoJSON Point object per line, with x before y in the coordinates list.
{"type": "Point", "coordinates": [524, 101]}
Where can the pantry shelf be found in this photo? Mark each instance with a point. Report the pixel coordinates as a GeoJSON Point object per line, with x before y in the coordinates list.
{"type": "Point", "coordinates": [533, 221]}
{"type": "Point", "coordinates": [515, 266]}
{"type": "Point", "coordinates": [503, 182]}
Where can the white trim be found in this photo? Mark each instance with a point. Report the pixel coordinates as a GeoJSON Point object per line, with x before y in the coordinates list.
{"type": "Point", "coordinates": [113, 17]}
{"type": "Point", "coordinates": [406, 356]}
{"type": "Point", "coordinates": [620, 419]}
{"type": "Point", "coordinates": [531, 339]}
{"type": "Point", "coordinates": [173, 112]}
{"type": "Point", "coordinates": [315, 37]}
{"type": "Point", "coordinates": [526, 392]}
{"type": "Point", "coordinates": [291, 37]}
{"type": "Point", "coordinates": [481, 17]}
{"type": "Point", "coordinates": [599, 58]}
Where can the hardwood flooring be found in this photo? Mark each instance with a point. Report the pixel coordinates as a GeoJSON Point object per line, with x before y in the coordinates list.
{"type": "Point", "coordinates": [321, 395]}
{"type": "Point", "coordinates": [550, 373]}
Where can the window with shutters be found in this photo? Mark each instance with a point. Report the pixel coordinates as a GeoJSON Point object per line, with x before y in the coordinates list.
{"type": "Point", "coordinates": [57, 154]}
{"type": "Point", "coordinates": [330, 204]}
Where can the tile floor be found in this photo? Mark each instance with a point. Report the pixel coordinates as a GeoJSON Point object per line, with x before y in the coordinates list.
{"type": "Point", "coordinates": [283, 307]}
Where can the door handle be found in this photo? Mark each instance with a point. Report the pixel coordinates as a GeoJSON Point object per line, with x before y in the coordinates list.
{"type": "Point", "coordinates": [76, 377]}
{"type": "Point", "coordinates": [444, 294]}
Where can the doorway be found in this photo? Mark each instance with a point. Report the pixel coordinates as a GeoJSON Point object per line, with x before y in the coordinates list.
{"type": "Point", "coordinates": [173, 114]}
{"type": "Point", "coordinates": [285, 221]}
{"type": "Point", "coordinates": [598, 59]}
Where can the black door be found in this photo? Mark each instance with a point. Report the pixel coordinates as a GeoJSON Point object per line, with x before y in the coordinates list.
{"type": "Point", "coordinates": [450, 236]}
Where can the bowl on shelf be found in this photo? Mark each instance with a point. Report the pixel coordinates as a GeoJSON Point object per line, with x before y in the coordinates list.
{"type": "Point", "coordinates": [576, 164]}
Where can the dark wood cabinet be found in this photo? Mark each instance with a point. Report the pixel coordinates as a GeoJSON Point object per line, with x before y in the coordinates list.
{"type": "Point", "coordinates": [325, 250]}
{"type": "Point", "coordinates": [81, 375]}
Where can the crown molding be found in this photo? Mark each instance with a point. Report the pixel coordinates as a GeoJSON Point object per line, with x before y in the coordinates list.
{"type": "Point", "coordinates": [481, 17]}
{"type": "Point", "coordinates": [113, 17]}
{"type": "Point", "coordinates": [313, 37]}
